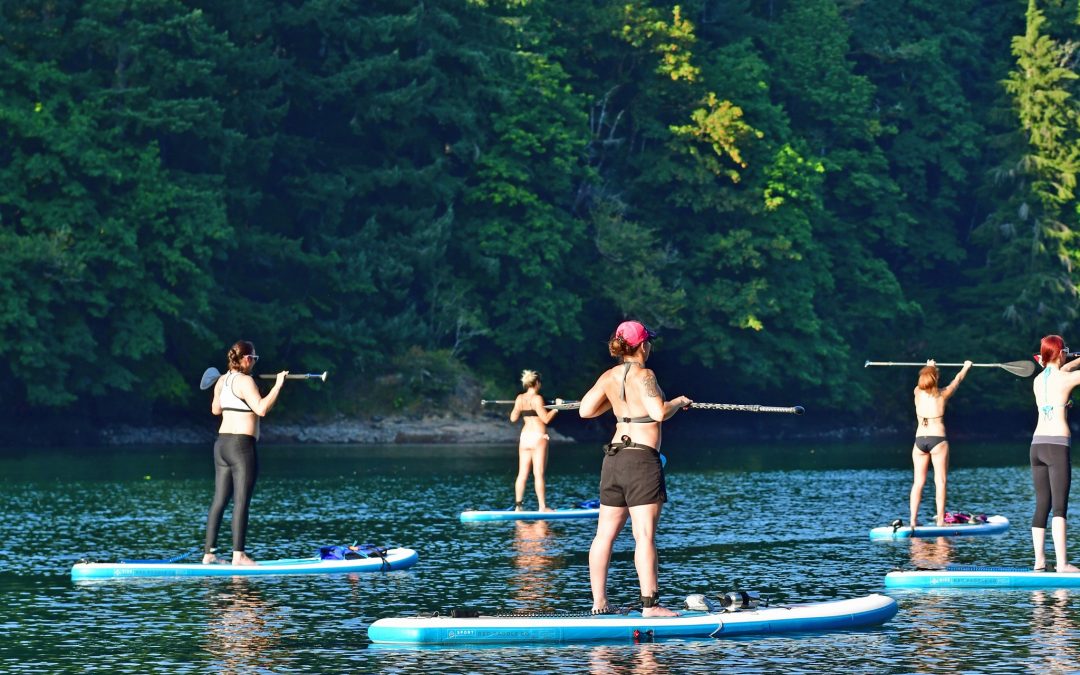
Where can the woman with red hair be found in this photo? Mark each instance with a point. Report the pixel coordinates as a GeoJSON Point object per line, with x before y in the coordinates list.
{"type": "Point", "coordinates": [931, 444]}
{"type": "Point", "coordinates": [632, 483]}
{"type": "Point", "coordinates": [1051, 463]}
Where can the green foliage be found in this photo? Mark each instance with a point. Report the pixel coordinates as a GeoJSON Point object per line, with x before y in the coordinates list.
{"type": "Point", "coordinates": [410, 194]}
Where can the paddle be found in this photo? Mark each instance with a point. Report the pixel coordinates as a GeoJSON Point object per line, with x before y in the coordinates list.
{"type": "Point", "coordinates": [485, 401]}
{"type": "Point", "coordinates": [1019, 368]}
{"type": "Point", "coordinates": [211, 375]}
{"type": "Point", "coordinates": [733, 407]}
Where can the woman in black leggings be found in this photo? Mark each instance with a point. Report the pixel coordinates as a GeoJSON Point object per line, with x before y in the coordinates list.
{"type": "Point", "coordinates": [236, 464]}
{"type": "Point", "coordinates": [1051, 463]}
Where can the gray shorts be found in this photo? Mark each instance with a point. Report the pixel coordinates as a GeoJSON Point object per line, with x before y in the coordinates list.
{"type": "Point", "coordinates": [632, 476]}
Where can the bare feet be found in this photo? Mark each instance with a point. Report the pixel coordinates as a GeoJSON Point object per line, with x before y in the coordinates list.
{"type": "Point", "coordinates": [545, 508]}
{"type": "Point", "coordinates": [211, 559]}
{"type": "Point", "coordinates": [241, 558]}
{"type": "Point", "coordinates": [657, 610]}
{"type": "Point", "coordinates": [518, 506]}
{"type": "Point", "coordinates": [1067, 568]}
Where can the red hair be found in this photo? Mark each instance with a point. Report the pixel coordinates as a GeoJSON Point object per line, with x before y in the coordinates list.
{"type": "Point", "coordinates": [928, 379]}
{"type": "Point", "coordinates": [1050, 348]}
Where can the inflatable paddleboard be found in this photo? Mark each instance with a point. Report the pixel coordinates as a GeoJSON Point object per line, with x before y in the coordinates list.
{"type": "Point", "coordinates": [510, 514]}
{"type": "Point", "coordinates": [993, 525]}
{"type": "Point", "coordinates": [396, 559]}
{"type": "Point", "coordinates": [870, 610]}
{"type": "Point", "coordinates": [977, 576]}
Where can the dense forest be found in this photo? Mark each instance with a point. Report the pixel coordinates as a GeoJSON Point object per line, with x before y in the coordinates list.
{"type": "Point", "coordinates": [424, 197]}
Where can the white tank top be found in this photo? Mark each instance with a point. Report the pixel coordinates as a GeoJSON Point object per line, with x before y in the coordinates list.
{"type": "Point", "coordinates": [229, 400]}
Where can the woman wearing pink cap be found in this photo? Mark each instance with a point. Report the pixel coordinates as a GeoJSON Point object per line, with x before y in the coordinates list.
{"type": "Point", "coordinates": [632, 478]}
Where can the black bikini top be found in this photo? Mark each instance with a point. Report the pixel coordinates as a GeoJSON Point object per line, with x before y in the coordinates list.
{"type": "Point", "coordinates": [622, 394]}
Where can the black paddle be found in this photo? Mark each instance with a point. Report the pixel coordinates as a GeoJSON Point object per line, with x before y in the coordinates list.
{"type": "Point", "coordinates": [211, 375]}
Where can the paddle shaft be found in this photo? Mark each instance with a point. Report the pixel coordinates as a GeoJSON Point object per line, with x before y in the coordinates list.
{"type": "Point", "coordinates": [912, 363]}
{"type": "Point", "coordinates": [733, 407]}
{"type": "Point", "coordinates": [298, 376]}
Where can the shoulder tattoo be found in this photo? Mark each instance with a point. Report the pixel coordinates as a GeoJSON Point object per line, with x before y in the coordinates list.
{"type": "Point", "coordinates": [651, 388]}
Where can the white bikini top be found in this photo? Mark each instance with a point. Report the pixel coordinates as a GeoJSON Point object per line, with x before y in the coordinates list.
{"type": "Point", "coordinates": [229, 399]}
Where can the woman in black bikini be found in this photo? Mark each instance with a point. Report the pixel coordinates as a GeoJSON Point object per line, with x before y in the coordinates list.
{"type": "Point", "coordinates": [1051, 461]}
{"type": "Point", "coordinates": [931, 444]}
{"type": "Point", "coordinates": [533, 443]}
{"type": "Point", "coordinates": [632, 477]}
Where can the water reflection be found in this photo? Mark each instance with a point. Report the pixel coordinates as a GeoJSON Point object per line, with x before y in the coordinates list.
{"type": "Point", "coordinates": [639, 659]}
{"type": "Point", "coordinates": [1057, 650]}
{"type": "Point", "coordinates": [931, 553]}
{"type": "Point", "coordinates": [531, 585]}
{"type": "Point", "coordinates": [241, 632]}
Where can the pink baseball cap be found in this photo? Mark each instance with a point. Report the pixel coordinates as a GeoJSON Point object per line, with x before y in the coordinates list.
{"type": "Point", "coordinates": [634, 332]}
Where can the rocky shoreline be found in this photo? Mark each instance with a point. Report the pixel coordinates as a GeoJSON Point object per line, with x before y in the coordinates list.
{"type": "Point", "coordinates": [383, 430]}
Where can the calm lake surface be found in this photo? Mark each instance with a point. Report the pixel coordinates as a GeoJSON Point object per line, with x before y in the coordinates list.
{"type": "Point", "coordinates": [789, 520]}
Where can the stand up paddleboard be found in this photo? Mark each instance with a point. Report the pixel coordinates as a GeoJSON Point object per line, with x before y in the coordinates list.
{"type": "Point", "coordinates": [978, 576]}
{"type": "Point", "coordinates": [993, 525]}
{"type": "Point", "coordinates": [510, 514]}
{"type": "Point", "coordinates": [870, 610]}
{"type": "Point", "coordinates": [396, 559]}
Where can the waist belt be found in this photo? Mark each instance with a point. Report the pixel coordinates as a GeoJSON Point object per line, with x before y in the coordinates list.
{"type": "Point", "coordinates": [626, 443]}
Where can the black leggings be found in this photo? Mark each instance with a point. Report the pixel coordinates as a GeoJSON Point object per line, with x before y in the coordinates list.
{"type": "Point", "coordinates": [236, 466]}
{"type": "Point", "coordinates": [1051, 469]}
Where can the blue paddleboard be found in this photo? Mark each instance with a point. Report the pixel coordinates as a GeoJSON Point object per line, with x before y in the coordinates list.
{"type": "Point", "coordinates": [870, 610]}
{"type": "Point", "coordinates": [978, 576]}
{"type": "Point", "coordinates": [396, 559]}
{"type": "Point", "coordinates": [993, 525]}
{"type": "Point", "coordinates": [510, 514]}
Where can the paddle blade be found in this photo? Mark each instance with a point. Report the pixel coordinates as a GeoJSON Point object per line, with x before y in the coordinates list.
{"type": "Point", "coordinates": [209, 377]}
{"type": "Point", "coordinates": [1020, 368]}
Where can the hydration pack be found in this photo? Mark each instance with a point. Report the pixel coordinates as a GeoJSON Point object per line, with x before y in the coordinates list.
{"type": "Point", "coordinates": [354, 552]}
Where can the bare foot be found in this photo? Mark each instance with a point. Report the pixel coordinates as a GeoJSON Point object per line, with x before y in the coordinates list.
{"type": "Point", "coordinates": [241, 558]}
{"type": "Point", "coordinates": [211, 559]}
{"type": "Point", "coordinates": [912, 524]}
{"type": "Point", "coordinates": [1067, 568]}
{"type": "Point", "coordinates": [941, 522]}
{"type": "Point", "coordinates": [657, 610]}
{"type": "Point", "coordinates": [545, 508]}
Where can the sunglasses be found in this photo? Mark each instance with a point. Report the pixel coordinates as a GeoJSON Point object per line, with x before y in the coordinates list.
{"type": "Point", "coordinates": [253, 357]}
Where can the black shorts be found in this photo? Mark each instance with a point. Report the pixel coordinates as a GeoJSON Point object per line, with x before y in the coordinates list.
{"type": "Point", "coordinates": [633, 476]}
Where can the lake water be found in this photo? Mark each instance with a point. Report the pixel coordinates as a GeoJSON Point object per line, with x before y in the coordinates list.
{"type": "Point", "coordinates": [789, 520]}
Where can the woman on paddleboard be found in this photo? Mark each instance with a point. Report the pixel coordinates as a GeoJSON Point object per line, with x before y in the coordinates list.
{"type": "Point", "coordinates": [632, 478]}
{"type": "Point", "coordinates": [236, 465]}
{"type": "Point", "coordinates": [533, 444]}
{"type": "Point", "coordinates": [931, 444]}
{"type": "Point", "coordinates": [1051, 463]}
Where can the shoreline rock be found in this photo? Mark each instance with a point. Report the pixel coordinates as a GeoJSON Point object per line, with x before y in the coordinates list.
{"type": "Point", "coordinates": [381, 430]}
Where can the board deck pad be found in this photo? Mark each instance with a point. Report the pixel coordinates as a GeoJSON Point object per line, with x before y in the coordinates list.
{"type": "Point", "coordinates": [981, 576]}
{"type": "Point", "coordinates": [510, 514]}
{"type": "Point", "coordinates": [851, 613]}
{"type": "Point", "coordinates": [396, 559]}
{"type": "Point", "coordinates": [993, 525]}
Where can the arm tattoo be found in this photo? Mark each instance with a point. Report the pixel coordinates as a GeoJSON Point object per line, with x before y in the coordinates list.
{"type": "Point", "coordinates": [651, 388]}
